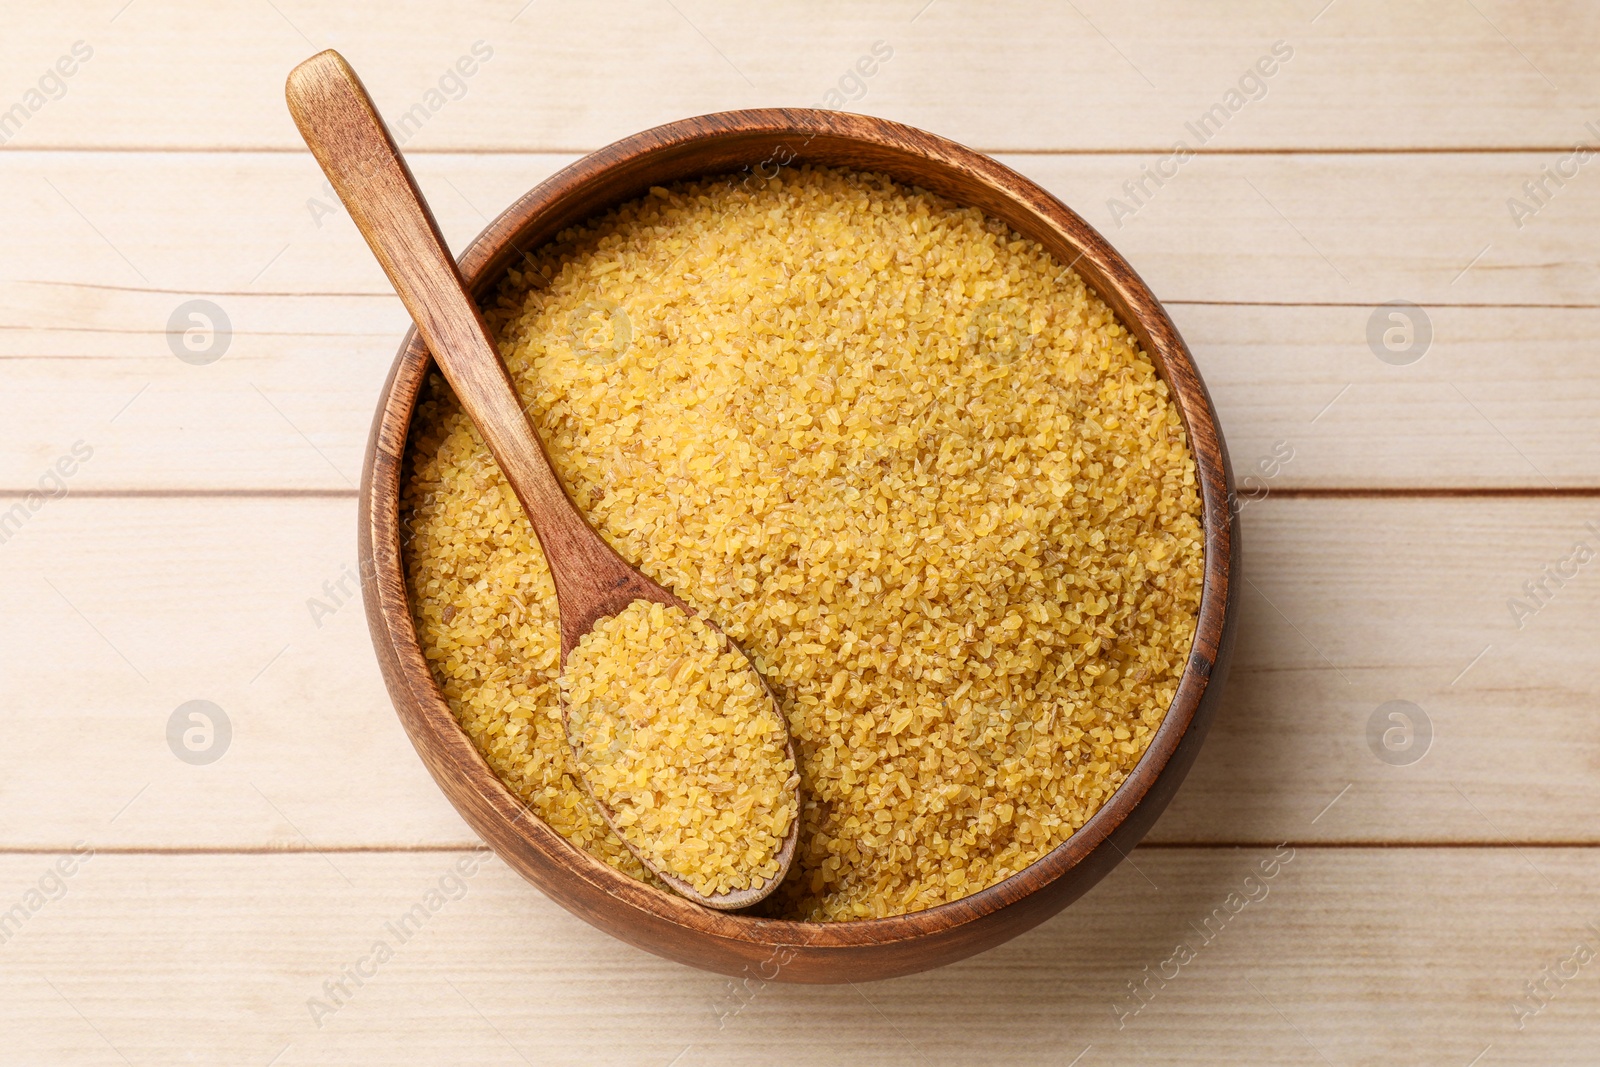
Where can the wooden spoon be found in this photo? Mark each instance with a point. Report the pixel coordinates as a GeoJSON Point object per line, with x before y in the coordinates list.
{"type": "Point", "coordinates": [348, 138]}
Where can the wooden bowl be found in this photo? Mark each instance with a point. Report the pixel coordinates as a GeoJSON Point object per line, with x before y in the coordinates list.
{"type": "Point", "coordinates": [660, 922]}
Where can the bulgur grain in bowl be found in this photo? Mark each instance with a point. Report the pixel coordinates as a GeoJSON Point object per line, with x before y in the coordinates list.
{"type": "Point", "coordinates": [911, 434]}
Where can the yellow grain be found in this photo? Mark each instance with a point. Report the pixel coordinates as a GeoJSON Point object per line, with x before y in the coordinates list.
{"type": "Point", "coordinates": [675, 733]}
{"type": "Point", "coordinates": [906, 460]}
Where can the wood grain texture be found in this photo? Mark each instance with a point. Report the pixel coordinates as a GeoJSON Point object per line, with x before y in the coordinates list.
{"type": "Point", "coordinates": [1298, 228]}
{"type": "Point", "coordinates": [289, 403]}
{"type": "Point", "coordinates": [1017, 74]}
{"type": "Point", "coordinates": [1363, 956]}
{"type": "Point", "coordinates": [238, 601]}
{"type": "Point", "coordinates": [1390, 955]}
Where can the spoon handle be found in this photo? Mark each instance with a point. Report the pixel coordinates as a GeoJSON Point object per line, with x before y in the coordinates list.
{"type": "Point", "coordinates": [348, 138]}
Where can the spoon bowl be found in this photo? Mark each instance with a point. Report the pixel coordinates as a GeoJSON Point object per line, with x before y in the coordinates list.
{"type": "Point", "coordinates": [733, 899]}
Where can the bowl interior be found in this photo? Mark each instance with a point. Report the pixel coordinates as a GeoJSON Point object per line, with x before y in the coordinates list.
{"type": "Point", "coordinates": [762, 143]}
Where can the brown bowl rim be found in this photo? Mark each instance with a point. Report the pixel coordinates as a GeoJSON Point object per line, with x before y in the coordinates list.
{"type": "Point", "coordinates": [421, 705]}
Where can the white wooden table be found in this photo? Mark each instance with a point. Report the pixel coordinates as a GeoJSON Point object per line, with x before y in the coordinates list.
{"type": "Point", "coordinates": [194, 539]}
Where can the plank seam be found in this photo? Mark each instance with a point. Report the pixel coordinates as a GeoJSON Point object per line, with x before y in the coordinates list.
{"type": "Point", "coordinates": [272, 850]}
{"type": "Point", "coordinates": [564, 150]}
{"type": "Point", "coordinates": [1581, 492]}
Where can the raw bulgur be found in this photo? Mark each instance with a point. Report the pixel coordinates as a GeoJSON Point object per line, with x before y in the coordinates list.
{"type": "Point", "coordinates": [677, 736]}
{"type": "Point", "coordinates": [909, 462]}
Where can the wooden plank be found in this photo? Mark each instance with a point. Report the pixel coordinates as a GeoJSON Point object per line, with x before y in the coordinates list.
{"type": "Point", "coordinates": [104, 259]}
{"type": "Point", "coordinates": [1351, 605]}
{"type": "Point", "coordinates": [1421, 900]}
{"type": "Point", "coordinates": [1504, 397]}
{"type": "Point", "coordinates": [125, 609]}
{"type": "Point", "coordinates": [1297, 228]}
{"type": "Point", "coordinates": [1507, 397]}
{"type": "Point", "coordinates": [1341, 956]}
{"type": "Point", "coordinates": [1091, 74]}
